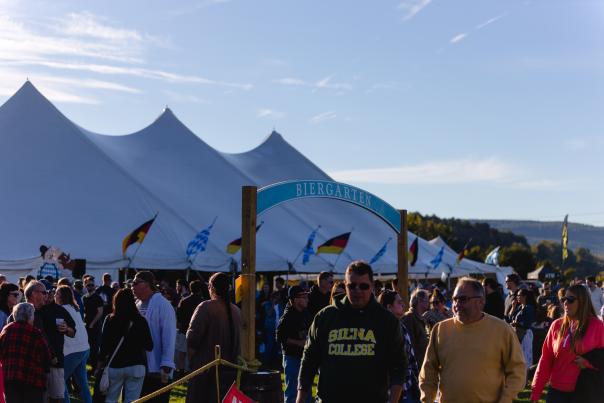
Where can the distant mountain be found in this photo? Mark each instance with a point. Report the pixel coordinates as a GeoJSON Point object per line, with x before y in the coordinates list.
{"type": "Point", "coordinates": [579, 235]}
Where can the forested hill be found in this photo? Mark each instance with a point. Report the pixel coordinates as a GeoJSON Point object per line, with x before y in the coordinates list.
{"type": "Point", "coordinates": [524, 245]}
{"type": "Point", "coordinates": [579, 235]}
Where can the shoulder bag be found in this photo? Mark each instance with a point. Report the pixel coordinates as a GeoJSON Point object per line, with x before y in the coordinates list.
{"type": "Point", "coordinates": [104, 382]}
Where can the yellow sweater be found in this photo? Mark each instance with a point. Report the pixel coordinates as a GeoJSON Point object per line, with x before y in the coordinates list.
{"type": "Point", "coordinates": [479, 362]}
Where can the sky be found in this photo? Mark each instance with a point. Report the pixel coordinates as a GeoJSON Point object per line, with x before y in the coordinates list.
{"type": "Point", "coordinates": [468, 109]}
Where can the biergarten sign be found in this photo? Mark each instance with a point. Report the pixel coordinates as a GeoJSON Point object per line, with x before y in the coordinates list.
{"type": "Point", "coordinates": [273, 195]}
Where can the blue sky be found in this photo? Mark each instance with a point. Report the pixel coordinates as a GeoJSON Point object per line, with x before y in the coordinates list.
{"type": "Point", "coordinates": [469, 109]}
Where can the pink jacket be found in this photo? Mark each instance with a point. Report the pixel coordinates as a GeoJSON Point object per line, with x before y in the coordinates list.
{"type": "Point", "coordinates": [557, 363]}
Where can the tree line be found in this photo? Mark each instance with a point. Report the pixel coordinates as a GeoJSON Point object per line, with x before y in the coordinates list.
{"type": "Point", "coordinates": [515, 251]}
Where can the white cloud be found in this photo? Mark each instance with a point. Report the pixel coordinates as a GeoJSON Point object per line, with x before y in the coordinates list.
{"type": "Point", "coordinates": [290, 81]}
{"type": "Point", "coordinates": [100, 48]}
{"type": "Point", "coordinates": [435, 172]}
{"type": "Point", "coordinates": [458, 38]}
{"type": "Point", "coordinates": [89, 25]}
{"type": "Point", "coordinates": [322, 117]}
{"type": "Point", "coordinates": [325, 83]}
{"type": "Point", "coordinates": [135, 71]}
{"type": "Point", "coordinates": [489, 171]}
{"type": "Point", "coordinates": [412, 7]}
{"type": "Point", "coordinates": [270, 114]}
{"type": "Point", "coordinates": [490, 21]}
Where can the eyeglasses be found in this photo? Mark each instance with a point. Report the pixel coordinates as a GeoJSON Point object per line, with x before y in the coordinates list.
{"type": "Point", "coordinates": [569, 299]}
{"type": "Point", "coordinates": [361, 286]}
{"type": "Point", "coordinates": [462, 299]}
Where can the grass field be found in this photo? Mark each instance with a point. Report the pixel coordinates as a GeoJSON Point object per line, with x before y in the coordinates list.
{"type": "Point", "coordinates": [179, 393]}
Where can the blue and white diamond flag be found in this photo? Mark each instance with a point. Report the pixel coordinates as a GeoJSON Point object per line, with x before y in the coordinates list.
{"type": "Point", "coordinates": [199, 243]}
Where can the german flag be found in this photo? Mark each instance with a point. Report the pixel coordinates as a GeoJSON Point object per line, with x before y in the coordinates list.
{"type": "Point", "coordinates": [463, 252]}
{"type": "Point", "coordinates": [413, 252]}
{"type": "Point", "coordinates": [234, 246]}
{"type": "Point", "coordinates": [138, 235]}
{"type": "Point", "coordinates": [335, 245]}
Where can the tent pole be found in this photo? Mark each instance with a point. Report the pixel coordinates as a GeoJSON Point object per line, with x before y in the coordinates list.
{"type": "Point", "coordinates": [248, 272]}
{"type": "Point", "coordinates": [403, 260]}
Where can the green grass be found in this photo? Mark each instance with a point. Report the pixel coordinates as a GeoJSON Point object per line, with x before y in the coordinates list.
{"type": "Point", "coordinates": [179, 393]}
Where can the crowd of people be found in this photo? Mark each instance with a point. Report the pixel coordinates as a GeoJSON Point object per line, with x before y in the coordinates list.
{"type": "Point", "coordinates": [358, 335]}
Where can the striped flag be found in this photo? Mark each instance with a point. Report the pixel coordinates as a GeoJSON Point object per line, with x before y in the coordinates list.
{"type": "Point", "coordinates": [414, 252]}
{"type": "Point", "coordinates": [199, 243]}
{"type": "Point", "coordinates": [335, 245]}
{"type": "Point", "coordinates": [234, 246]}
{"type": "Point", "coordinates": [463, 252]}
{"type": "Point", "coordinates": [138, 235]}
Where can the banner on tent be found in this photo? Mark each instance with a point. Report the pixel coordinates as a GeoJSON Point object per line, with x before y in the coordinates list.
{"type": "Point", "coordinates": [278, 193]}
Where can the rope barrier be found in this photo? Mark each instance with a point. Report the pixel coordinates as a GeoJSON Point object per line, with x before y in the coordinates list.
{"type": "Point", "coordinates": [218, 361]}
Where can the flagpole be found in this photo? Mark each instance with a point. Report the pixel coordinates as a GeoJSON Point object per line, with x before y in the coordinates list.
{"type": "Point", "coordinates": [130, 260]}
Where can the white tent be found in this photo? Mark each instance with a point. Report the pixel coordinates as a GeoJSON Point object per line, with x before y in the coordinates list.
{"type": "Point", "coordinates": [468, 266]}
{"type": "Point", "coordinates": [83, 192]}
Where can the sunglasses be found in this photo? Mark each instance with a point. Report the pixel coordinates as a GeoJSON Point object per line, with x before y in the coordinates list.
{"type": "Point", "coordinates": [463, 299]}
{"type": "Point", "coordinates": [361, 286]}
{"type": "Point", "coordinates": [15, 294]}
{"type": "Point", "coordinates": [570, 299]}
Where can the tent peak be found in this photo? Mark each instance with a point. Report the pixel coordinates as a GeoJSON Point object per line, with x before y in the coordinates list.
{"type": "Point", "coordinates": [28, 90]}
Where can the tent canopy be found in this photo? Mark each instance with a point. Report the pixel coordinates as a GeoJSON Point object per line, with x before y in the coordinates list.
{"type": "Point", "coordinates": [84, 192]}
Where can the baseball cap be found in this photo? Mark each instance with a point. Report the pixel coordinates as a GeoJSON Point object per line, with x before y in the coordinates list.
{"type": "Point", "coordinates": [295, 290]}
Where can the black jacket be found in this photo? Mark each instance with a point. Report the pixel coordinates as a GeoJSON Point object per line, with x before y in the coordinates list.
{"type": "Point", "coordinates": [317, 301]}
{"type": "Point", "coordinates": [494, 304]}
{"type": "Point", "coordinates": [293, 325]}
{"type": "Point", "coordinates": [590, 384]}
{"type": "Point", "coordinates": [358, 353]}
{"type": "Point", "coordinates": [137, 341]}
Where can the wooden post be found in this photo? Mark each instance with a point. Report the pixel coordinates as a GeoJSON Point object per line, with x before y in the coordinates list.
{"type": "Point", "coordinates": [248, 272]}
{"type": "Point", "coordinates": [403, 260]}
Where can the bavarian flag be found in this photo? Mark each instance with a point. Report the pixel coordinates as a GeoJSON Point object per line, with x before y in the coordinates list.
{"type": "Point", "coordinates": [138, 235]}
{"type": "Point", "coordinates": [335, 245]}
{"type": "Point", "coordinates": [235, 245]}
{"type": "Point", "coordinates": [413, 252]}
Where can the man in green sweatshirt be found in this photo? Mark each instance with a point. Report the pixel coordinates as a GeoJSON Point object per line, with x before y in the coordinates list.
{"type": "Point", "coordinates": [472, 357]}
{"type": "Point", "coordinates": [356, 345]}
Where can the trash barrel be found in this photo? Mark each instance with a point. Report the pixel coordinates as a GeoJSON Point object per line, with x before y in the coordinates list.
{"type": "Point", "coordinates": [263, 386]}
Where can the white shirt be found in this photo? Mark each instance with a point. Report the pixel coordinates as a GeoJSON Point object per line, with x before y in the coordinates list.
{"type": "Point", "coordinates": [597, 298]}
{"type": "Point", "coordinates": [79, 342]}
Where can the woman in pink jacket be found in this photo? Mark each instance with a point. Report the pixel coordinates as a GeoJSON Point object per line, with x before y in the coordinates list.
{"type": "Point", "coordinates": [576, 333]}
